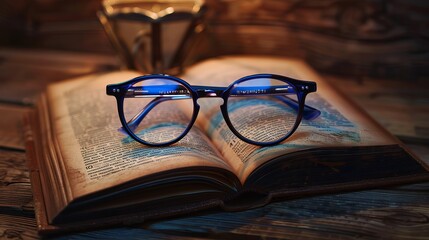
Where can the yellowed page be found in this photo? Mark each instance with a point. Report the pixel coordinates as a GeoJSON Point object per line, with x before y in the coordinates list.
{"type": "Point", "coordinates": [340, 124]}
{"type": "Point", "coordinates": [95, 155]}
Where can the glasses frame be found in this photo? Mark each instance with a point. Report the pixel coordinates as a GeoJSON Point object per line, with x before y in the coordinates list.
{"type": "Point", "coordinates": [302, 88]}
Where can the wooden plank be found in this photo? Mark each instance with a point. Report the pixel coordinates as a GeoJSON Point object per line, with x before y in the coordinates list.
{"type": "Point", "coordinates": [362, 38]}
{"type": "Point", "coordinates": [11, 126]}
{"type": "Point", "coordinates": [17, 227]}
{"type": "Point", "coordinates": [16, 200]}
{"type": "Point", "coordinates": [13, 166]}
{"type": "Point", "coordinates": [15, 189]}
{"type": "Point", "coordinates": [24, 74]}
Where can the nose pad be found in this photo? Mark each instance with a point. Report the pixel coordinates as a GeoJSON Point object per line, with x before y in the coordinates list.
{"type": "Point", "coordinates": [210, 102]}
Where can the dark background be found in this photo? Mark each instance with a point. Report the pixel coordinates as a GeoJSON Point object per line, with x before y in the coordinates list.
{"type": "Point", "coordinates": [377, 38]}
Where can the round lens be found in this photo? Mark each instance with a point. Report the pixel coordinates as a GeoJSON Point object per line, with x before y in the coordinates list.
{"type": "Point", "coordinates": [263, 110]}
{"type": "Point", "coordinates": [158, 110]}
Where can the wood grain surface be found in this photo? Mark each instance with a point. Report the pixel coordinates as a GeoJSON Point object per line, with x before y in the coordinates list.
{"type": "Point", "coordinates": [379, 38]}
{"type": "Point", "coordinates": [383, 38]}
{"type": "Point", "coordinates": [11, 124]}
{"type": "Point", "coordinates": [25, 73]}
{"type": "Point", "coordinates": [390, 213]}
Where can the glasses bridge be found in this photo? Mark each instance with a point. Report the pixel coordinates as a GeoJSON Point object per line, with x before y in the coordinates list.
{"type": "Point", "coordinates": [205, 92]}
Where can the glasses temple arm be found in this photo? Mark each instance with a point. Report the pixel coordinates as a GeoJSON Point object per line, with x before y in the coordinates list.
{"type": "Point", "coordinates": [136, 120]}
{"type": "Point", "coordinates": [309, 113]}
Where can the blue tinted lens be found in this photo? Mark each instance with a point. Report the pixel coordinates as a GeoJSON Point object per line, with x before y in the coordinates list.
{"type": "Point", "coordinates": [158, 110]}
{"type": "Point", "coordinates": [263, 110]}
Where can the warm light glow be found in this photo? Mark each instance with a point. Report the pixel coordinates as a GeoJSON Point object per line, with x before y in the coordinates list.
{"type": "Point", "coordinates": [151, 8]}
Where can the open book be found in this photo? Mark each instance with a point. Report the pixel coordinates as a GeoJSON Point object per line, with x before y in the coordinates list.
{"type": "Point", "coordinates": [85, 173]}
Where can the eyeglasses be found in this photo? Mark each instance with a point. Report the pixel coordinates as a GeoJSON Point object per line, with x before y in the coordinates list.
{"type": "Point", "coordinates": [261, 109]}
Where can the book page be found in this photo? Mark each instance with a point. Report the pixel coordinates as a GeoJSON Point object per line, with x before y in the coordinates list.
{"type": "Point", "coordinates": [96, 155]}
{"type": "Point", "coordinates": [340, 124]}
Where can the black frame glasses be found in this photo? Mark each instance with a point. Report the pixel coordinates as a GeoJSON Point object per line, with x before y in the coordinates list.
{"type": "Point", "coordinates": [163, 93]}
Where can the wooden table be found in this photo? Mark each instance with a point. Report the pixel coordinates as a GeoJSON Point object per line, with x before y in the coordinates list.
{"type": "Point", "coordinates": [391, 213]}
